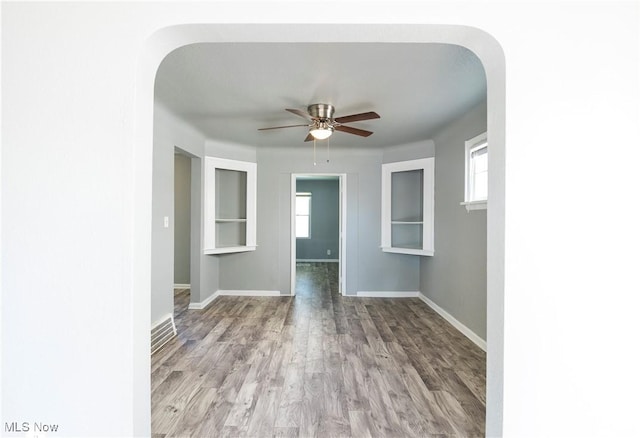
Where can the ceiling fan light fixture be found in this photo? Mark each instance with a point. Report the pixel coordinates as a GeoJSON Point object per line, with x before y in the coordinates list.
{"type": "Point", "coordinates": [321, 130]}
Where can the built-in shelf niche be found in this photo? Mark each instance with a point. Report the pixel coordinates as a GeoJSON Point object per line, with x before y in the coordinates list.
{"type": "Point", "coordinates": [230, 206]}
{"type": "Point", "coordinates": [407, 207]}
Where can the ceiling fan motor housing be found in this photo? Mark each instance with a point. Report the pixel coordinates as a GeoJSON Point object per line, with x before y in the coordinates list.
{"type": "Point", "coordinates": [321, 110]}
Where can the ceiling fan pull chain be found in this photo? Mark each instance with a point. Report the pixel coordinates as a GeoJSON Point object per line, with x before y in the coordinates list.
{"type": "Point", "coordinates": [314, 151]}
{"type": "Point", "coordinates": [328, 143]}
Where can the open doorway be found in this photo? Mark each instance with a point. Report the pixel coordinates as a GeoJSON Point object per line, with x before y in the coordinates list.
{"type": "Point", "coordinates": [186, 249]}
{"type": "Point", "coordinates": [181, 230]}
{"type": "Point", "coordinates": [318, 206]}
{"type": "Point", "coordinates": [182, 220]}
{"type": "Point", "coordinates": [166, 40]}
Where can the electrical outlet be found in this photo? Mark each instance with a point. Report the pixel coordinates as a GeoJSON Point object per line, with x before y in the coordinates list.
{"type": "Point", "coordinates": [328, 252]}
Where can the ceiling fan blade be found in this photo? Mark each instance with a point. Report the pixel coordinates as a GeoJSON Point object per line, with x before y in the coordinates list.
{"type": "Point", "coordinates": [309, 137]}
{"type": "Point", "coordinates": [356, 131]}
{"type": "Point", "coordinates": [278, 127]}
{"type": "Point", "coordinates": [357, 117]}
{"type": "Point", "coordinates": [300, 113]}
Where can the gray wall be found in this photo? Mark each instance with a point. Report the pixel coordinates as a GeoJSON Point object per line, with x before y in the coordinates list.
{"type": "Point", "coordinates": [456, 277]}
{"type": "Point", "coordinates": [269, 267]}
{"type": "Point", "coordinates": [409, 151]}
{"type": "Point", "coordinates": [325, 220]}
{"type": "Point", "coordinates": [169, 133]}
{"type": "Point", "coordinates": [182, 221]}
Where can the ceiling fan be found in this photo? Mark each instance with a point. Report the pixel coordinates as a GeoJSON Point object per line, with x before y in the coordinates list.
{"type": "Point", "coordinates": [322, 124]}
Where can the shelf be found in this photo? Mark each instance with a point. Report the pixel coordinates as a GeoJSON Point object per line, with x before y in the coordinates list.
{"type": "Point", "coordinates": [410, 251]}
{"type": "Point", "coordinates": [475, 205]}
{"type": "Point", "coordinates": [229, 249]}
{"type": "Point", "coordinates": [230, 206]}
{"type": "Point", "coordinates": [407, 207]}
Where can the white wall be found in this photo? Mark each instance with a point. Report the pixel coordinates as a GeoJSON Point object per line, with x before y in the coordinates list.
{"type": "Point", "coordinates": [76, 202]}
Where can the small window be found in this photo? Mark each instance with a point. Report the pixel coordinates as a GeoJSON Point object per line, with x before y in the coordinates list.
{"type": "Point", "coordinates": [303, 215]}
{"type": "Point", "coordinates": [476, 172]}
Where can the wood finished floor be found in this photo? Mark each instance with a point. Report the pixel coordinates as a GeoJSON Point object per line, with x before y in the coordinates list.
{"type": "Point", "coordinates": [317, 364]}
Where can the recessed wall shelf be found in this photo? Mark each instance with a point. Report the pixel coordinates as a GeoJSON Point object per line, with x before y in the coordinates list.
{"type": "Point", "coordinates": [230, 206]}
{"type": "Point", "coordinates": [407, 207]}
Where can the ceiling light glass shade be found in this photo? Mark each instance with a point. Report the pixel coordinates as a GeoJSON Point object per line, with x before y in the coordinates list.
{"type": "Point", "coordinates": [321, 133]}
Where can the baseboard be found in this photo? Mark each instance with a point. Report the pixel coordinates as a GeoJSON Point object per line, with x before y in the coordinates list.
{"type": "Point", "coordinates": [162, 332]}
{"type": "Point", "coordinates": [317, 260]}
{"type": "Point", "coordinates": [234, 293]}
{"type": "Point", "coordinates": [387, 294]}
{"type": "Point", "coordinates": [454, 322]}
{"type": "Point", "coordinates": [182, 286]}
{"type": "Point", "coordinates": [250, 293]}
{"type": "Point", "coordinates": [203, 304]}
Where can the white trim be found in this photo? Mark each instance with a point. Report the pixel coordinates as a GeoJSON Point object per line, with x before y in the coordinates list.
{"type": "Point", "coordinates": [203, 304]}
{"type": "Point", "coordinates": [210, 243]}
{"type": "Point", "coordinates": [454, 322]}
{"type": "Point", "coordinates": [387, 294]}
{"type": "Point", "coordinates": [475, 205]}
{"type": "Point", "coordinates": [317, 261]}
{"type": "Point", "coordinates": [342, 249]}
{"type": "Point", "coordinates": [234, 293]}
{"type": "Point", "coordinates": [229, 249]}
{"type": "Point", "coordinates": [249, 293]}
{"type": "Point", "coordinates": [469, 145]}
{"type": "Point", "coordinates": [182, 286]}
{"type": "Point", "coordinates": [427, 165]}
{"type": "Point", "coordinates": [410, 251]}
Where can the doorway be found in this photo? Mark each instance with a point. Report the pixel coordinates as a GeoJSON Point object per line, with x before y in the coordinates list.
{"type": "Point", "coordinates": [186, 234]}
{"type": "Point", "coordinates": [318, 218]}
{"type": "Point", "coordinates": [163, 41]}
{"type": "Point", "coordinates": [182, 220]}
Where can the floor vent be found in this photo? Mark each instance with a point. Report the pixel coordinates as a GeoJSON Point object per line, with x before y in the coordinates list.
{"type": "Point", "coordinates": [162, 333]}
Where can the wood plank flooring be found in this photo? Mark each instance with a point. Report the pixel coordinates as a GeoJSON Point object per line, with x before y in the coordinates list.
{"type": "Point", "coordinates": [317, 364]}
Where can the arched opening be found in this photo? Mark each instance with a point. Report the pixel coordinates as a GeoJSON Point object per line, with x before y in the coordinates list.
{"type": "Point", "coordinates": [167, 40]}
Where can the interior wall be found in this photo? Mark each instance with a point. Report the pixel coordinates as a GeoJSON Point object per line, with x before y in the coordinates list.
{"type": "Point", "coordinates": [325, 220]}
{"type": "Point", "coordinates": [269, 267]}
{"type": "Point", "coordinates": [409, 151]}
{"type": "Point", "coordinates": [182, 221]}
{"type": "Point", "coordinates": [171, 132]}
{"type": "Point", "coordinates": [455, 278]}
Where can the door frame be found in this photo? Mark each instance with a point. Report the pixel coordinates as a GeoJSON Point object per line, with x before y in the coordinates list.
{"type": "Point", "coordinates": [342, 225]}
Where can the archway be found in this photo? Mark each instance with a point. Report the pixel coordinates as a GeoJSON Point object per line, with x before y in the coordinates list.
{"type": "Point", "coordinates": [164, 41]}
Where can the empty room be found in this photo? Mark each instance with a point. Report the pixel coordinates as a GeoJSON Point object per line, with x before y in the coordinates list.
{"type": "Point", "coordinates": [319, 240]}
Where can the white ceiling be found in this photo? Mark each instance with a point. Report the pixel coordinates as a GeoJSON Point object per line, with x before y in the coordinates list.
{"type": "Point", "coordinates": [229, 90]}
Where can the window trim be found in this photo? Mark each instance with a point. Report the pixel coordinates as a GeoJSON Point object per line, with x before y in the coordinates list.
{"type": "Point", "coordinates": [469, 147]}
{"type": "Point", "coordinates": [310, 196]}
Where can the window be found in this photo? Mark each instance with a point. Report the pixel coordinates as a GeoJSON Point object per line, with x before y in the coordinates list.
{"type": "Point", "coordinates": [303, 215]}
{"type": "Point", "coordinates": [476, 173]}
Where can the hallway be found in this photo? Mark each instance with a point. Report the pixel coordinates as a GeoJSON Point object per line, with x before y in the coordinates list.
{"type": "Point", "coordinates": [317, 364]}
